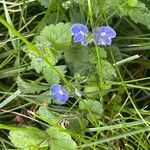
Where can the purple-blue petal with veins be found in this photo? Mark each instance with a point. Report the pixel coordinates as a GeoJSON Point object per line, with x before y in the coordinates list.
{"type": "Point", "coordinates": [103, 35]}
{"type": "Point", "coordinates": [79, 37]}
{"type": "Point", "coordinates": [62, 98]}
{"type": "Point", "coordinates": [110, 32]}
{"type": "Point", "coordinates": [83, 28]}
{"type": "Point", "coordinates": [75, 28]}
{"type": "Point", "coordinates": [54, 88]}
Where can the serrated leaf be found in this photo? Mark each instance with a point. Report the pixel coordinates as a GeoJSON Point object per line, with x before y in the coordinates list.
{"type": "Point", "coordinates": [32, 87]}
{"type": "Point", "coordinates": [116, 54]}
{"type": "Point", "coordinates": [38, 62]}
{"type": "Point", "coordinates": [59, 35]}
{"type": "Point", "coordinates": [80, 2]}
{"type": "Point", "coordinates": [37, 65]}
{"type": "Point", "coordinates": [60, 140]}
{"type": "Point", "coordinates": [45, 3]}
{"type": "Point", "coordinates": [102, 52]}
{"type": "Point", "coordinates": [44, 98]}
{"type": "Point", "coordinates": [91, 106]}
{"type": "Point", "coordinates": [27, 140]}
{"type": "Point", "coordinates": [48, 116]}
{"type": "Point", "coordinates": [140, 14]}
{"type": "Point", "coordinates": [108, 71]}
{"type": "Point", "coordinates": [132, 3]}
{"type": "Point", "coordinates": [78, 123]}
{"type": "Point", "coordinates": [75, 15]}
{"type": "Point", "coordinates": [91, 90]}
{"type": "Point", "coordinates": [78, 59]}
{"type": "Point", "coordinates": [51, 76]}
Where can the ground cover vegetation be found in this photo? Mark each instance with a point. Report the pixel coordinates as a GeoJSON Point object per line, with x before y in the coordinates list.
{"type": "Point", "coordinates": [74, 74]}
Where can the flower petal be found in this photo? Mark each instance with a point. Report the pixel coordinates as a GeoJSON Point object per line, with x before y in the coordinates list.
{"type": "Point", "coordinates": [55, 88]}
{"type": "Point", "coordinates": [64, 98]}
{"type": "Point", "coordinates": [108, 40]}
{"type": "Point", "coordinates": [97, 37]}
{"type": "Point", "coordinates": [83, 28]}
{"type": "Point", "coordinates": [110, 32]}
{"type": "Point", "coordinates": [100, 30]}
{"type": "Point", "coordinates": [84, 43]}
{"type": "Point", "coordinates": [61, 98]}
{"type": "Point", "coordinates": [79, 37]}
{"type": "Point", "coordinates": [75, 28]}
{"type": "Point", "coordinates": [104, 34]}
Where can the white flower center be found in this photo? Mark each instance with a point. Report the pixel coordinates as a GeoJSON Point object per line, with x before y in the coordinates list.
{"type": "Point", "coordinates": [102, 39]}
{"type": "Point", "coordinates": [103, 34]}
{"type": "Point", "coordinates": [82, 32]}
{"type": "Point", "coordinates": [60, 92]}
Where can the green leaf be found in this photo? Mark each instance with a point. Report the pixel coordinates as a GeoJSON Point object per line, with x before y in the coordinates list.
{"type": "Point", "coordinates": [77, 59]}
{"type": "Point", "coordinates": [48, 116]}
{"type": "Point", "coordinates": [108, 71]}
{"type": "Point", "coordinates": [51, 76]}
{"type": "Point", "coordinates": [27, 140]}
{"type": "Point", "coordinates": [60, 140]}
{"type": "Point", "coordinates": [44, 98]}
{"type": "Point", "coordinates": [31, 87]}
{"type": "Point", "coordinates": [91, 90]}
{"type": "Point", "coordinates": [80, 2]}
{"type": "Point", "coordinates": [45, 3]}
{"type": "Point", "coordinates": [116, 54]}
{"type": "Point", "coordinates": [114, 105]}
{"type": "Point", "coordinates": [78, 123]}
{"type": "Point", "coordinates": [136, 10]}
{"type": "Point", "coordinates": [102, 53]}
{"type": "Point", "coordinates": [59, 35]}
{"type": "Point", "coordinates": [37, 65]}
{"type": "Point", "coordinates": [91, 106]}
{"type": "Point", "coordinates": [75, 15]}
{"type": "Point", "coordinates": [44, 46]}
{"type": "Point", "coordinates": [140, 14]}
{"type": "Point", "coordinates": [132, 3]}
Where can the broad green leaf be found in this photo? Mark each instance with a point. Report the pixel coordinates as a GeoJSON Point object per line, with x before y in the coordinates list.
{"type": "Point", "coordinates": [108, 71]}
{"type": "Point", "coordinates": [51, 76]}
{"type": "Point", "coordinates": [27, 140]}
{"type": "Point", "coordinates": [44, 46]}
{"type": "Point", "coordinates": [77, 59]}
{"type": "Point", "coordinates": [45, 3]}
{"type": "Point", "coordinates": [78, 123]}
{"type": "Point", "coordinates": [60, 140]}
{"type": "Point", "coordinates": [91, 90]}
{"type": "Point", "coordinates": [37, 65]}
{"type": "Point", "coordinates": [91, 106]}
{"type": "Point", "coordinates": [80, 2]}
{"type": "Point", "coordinates": [116, 54]}
{"type": "Point", "coordinates": [59, 35]}
{"type": "Point", "coordinates": [132, 3]}
{"type": "Point", "coordinates": [114, 105]}
{"type": "Point", "coordinates": [48, 116]}
{"type": "Point", "coordinates": [140, 14]}
{"type": "Point", "coordinates": [44, 98]}
{"type": "Point", "coordinates": [101, 51]}
{"type": "Point", "coordinates": [136, 10]}
{"type": "Point", "coordinates": [31, 87]}
{"type": "Point", "coordinates": [75, 15]}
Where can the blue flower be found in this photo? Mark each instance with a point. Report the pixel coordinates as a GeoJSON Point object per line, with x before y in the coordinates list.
{"type": "Point", "coordinates": [104, 35]}
{"type": "Point", "coordinates": [59, 93]}
{"type": "Point", "coordinates": [80, 32]}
